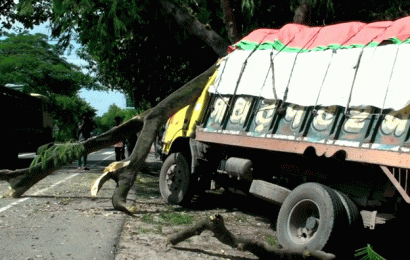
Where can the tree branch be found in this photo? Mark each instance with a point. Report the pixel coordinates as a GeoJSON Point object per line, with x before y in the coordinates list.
{"type": "Point", "coordinates": [216, 225]}
{"type": "Point", "coordinates": [229, 20]}
{"type": "Point", "coordinates": [195, 27]}
{"type": "Point", "coordinates": [303, 13]}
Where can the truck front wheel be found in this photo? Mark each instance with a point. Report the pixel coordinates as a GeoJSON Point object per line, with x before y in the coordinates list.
{"type": "Point", "coordinates": [174, 179]}
{"type": "Point", "coordinates": [308, 216]}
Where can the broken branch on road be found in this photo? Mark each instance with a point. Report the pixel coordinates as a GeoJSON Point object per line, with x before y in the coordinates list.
{"type": "Point", "coordinates": [216, 225]}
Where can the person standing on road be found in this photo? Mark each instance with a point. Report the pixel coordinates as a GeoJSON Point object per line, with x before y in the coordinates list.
{"type": "Point", "coordinates": [119, 147]}
{"type": "Point", "coordinates": [84, 132]}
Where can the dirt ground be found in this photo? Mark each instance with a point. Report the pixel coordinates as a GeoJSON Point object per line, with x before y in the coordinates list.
{"type": "Point", "coordinates": [145, 235]}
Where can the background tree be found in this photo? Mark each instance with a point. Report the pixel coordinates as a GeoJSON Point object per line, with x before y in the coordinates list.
{"type": "Point", "coordinates": [116, 36]}
{"type": "Point", "coordinates": [31, 61]}
{"type": "Point", "coordinates": [67, 113]}
{"type": "Point", "coordinates": [107, 120]}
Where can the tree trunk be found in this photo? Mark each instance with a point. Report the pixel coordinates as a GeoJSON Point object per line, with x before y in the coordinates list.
{"type": "Point", "coordinates": [303, 13]}
{"type": "Point", "coordinates": [216, 225]}
{"type": "Point", "coordinates": [229, 20]}
{"type": "Point", "coordinates": [150, 122]}
{"type": "Point", "coordinates": [194, 27]}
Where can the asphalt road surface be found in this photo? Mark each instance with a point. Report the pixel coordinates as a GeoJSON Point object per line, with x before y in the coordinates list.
{"type": "Point", "coordinates": [58, 218]}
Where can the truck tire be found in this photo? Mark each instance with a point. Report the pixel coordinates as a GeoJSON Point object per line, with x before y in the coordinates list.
{"type": "Point", "coordinates": [354, 223]}
{"type": "Point", "coordinates": [174, 179]}
{"type": "Point", "coordinates": [308, 216]}
{"type": "Point", "coordinates": [269, 191]}
{"type": "Point", "coordinates": [352, 212]}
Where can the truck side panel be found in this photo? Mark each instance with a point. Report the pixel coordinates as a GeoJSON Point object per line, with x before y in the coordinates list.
{"type": "Point", "coordinates": [363, 134]}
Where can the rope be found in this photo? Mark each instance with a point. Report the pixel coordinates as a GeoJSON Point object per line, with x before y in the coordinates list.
{"type": "Point", "coordinates": [273, 75]}
{"type": "Point", "coordinates": [219, 82]}
{"type": "Point", "coordinates": [285, 95]}
{"type": "Point", "coordinates": [357, 69]}
{"type": "Point", "coordinates": [229, 106]}
{"type": "Point", "coordinates": [391, 75]}
{"type": "Point", "coordinates": [327, 70]}
{"type": "Point", "coordinates": [323, 81]}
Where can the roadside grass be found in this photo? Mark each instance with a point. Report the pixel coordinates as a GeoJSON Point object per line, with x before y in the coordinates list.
{"type": "Point", "coordinates": [162, 219]}
{"type": "Point", "coordinates": [153, 230]}
{"type": "Point", "coordinates": [165, 218]}
{"type": "Point", "coordinates": [177, 218]}
{"type": "Point", "coordinates": [148, 218]}
{"type": "Point", "coordinates": [147, 182]}
{"type": "Point", "coordinates": [147, 186]}
{"type": "Point", "coordinates": [145, 230]}
{"type": "Point", "coordinates": [272, 241]}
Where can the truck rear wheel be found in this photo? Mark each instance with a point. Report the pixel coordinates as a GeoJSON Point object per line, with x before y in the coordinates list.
{"type": "Point", "coordinates": [174, 179]}
{"type": "Point", "coordinates": [308, 216]}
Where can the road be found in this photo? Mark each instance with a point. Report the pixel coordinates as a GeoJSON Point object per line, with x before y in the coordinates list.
{"type": "Point", "coordinates": [58, 219]}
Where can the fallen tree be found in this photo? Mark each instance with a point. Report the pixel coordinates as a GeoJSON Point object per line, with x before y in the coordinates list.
{"type": "Point", "coordinates": [124, 173]}
{"type": "Point", "coordinates": [216, 225]}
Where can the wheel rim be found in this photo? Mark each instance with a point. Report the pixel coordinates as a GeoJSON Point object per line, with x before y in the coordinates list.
{"type": "Point", "coordinates": [173, 178]}
{"type": "Point", "coordinates": [303, 222]}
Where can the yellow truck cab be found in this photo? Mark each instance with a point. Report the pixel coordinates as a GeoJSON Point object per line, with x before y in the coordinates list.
{"type": "Point", "coordinates": [314, 119]}
{"type": "Point", "coordinates": [183, 124]}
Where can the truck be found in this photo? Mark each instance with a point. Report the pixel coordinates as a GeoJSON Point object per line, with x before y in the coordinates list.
{"type": "Point", "coordinates": [26, 124]}
{"type": "Point", "coordinates": [314, 119]}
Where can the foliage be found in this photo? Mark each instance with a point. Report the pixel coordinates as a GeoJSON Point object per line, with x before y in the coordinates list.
{"type": "Point", "coordinates": [107, 120]}
{"type": "Point", "coordinates": [61, 154]}
{"type": "Point", "coordinates": [40, 12]}
{"type": "Point", "coordinates": [272, 241]}
{"type": "Point", "coordinates": [67, 113]}
{"type": "Point", "coordinates": [122, 61]}
{"type": "Point", "coordinates": [368, 254]}
{"type": "Point", "coordinates": [170, 218]}
{"type": "Point", "coordinates": [32, 61]}
{"type": "Point", "coordinates": [116, 36]}
{"type": "Point", "coordinates": [175, 218]}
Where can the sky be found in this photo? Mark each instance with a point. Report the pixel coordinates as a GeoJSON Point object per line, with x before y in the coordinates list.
{"type": "Point", "coordinates": [100, 100]}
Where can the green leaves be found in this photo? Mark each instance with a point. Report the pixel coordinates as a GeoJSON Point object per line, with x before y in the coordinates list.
{"type": "Point", "coordinates": [60, 154]}
{"type": "Point", "coordinates": [67, 114]}
{"type": "Point", "coordinates": [248, 6]}
{"type": "Point", "coordinates": [30, 59]}
{"type": "Point", "coordinates": [107, 121]}
{"type": "Point", "coordinates": [368, 254]}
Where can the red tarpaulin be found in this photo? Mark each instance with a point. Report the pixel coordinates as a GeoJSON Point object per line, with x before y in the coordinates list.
{"type": "Point", "coordinates": [341, 35]}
